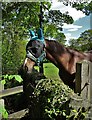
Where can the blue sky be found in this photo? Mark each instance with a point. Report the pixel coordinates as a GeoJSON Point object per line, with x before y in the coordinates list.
{"type": "Point", "coordinates": [79, 26]}
{"type": "Point", "coordinates": [81, 21]}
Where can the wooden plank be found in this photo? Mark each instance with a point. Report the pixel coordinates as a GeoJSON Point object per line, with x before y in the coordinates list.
{"type": "Point", "coordinates": [1, 100]}
{"type": "Point", "coordinates": [11, 91]}
{"type": "Point", "coordinates": [90, 89]}
{"type": "Point", "coordinates": [90, 82]}
{"type": "Point", "coordinates": [1, 106]}
{"type": "Point", "coordinates": [78, 78]}
{"type": "Point", "coordinates": [1, 87]}
{"type": "Point", "coordinates": [84, 79]}
{"type": "Point", "coordinates": [18, 114]}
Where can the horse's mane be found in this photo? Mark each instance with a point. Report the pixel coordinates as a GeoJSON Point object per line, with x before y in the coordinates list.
{"type": "Point", "coordinates": [60, 47]}
{"type": "Point", "coordinates": [57, 46]}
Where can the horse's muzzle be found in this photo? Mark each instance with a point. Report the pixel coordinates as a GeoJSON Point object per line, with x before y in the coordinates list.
{"type": "Point", "coordinates": [28, 65]}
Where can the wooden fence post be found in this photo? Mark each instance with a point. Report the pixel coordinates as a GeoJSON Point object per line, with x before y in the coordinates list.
{"type": "Point", "coordinates": [81, 79]}
{"type": "Point", "coordinates": [83, 83]}
{"type": "Point", "coordinates": [84, 79]}
{"type": "Point", "coordinates": [1, 100]}
{"type": "Point", "coordinates": [90, 89]}
{"type": "Point", "coordinates": [90, 82]}
{"type": "Point", "coordinates": [78, 78]}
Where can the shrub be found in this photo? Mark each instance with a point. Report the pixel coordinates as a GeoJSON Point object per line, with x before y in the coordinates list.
{"type": "Point", "coordinates": [51, 101]}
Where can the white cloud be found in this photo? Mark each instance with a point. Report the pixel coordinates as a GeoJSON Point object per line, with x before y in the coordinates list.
{"type": "Point", "coordinates": [74, 29]}
{"type": "Point", "coordinates": [68, 37]}
{"type": "Point", "coordinates": [71, 26]}
{"type": "Point", "coordinates": [75, 14]}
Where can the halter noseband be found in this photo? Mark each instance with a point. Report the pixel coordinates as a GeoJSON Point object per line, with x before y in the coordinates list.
{"type": "Point", "coordinates": [36, 60]}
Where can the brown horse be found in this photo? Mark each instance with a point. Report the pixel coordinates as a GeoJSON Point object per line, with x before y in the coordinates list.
{"type": "Point", "coordinates": [63, 58]}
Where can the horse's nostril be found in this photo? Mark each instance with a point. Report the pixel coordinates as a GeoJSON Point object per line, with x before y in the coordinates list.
{"type": "Point", "coordinates": [26, 68]}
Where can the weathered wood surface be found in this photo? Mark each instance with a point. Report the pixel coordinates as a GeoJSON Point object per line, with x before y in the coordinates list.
{"type": "Point", "coordinates": [78, 78]}
{"type": "Point", "coordinates": [90, 89]}
{"type": "Point", "coordinates": [11, 91]}
{"type": "Point", "coordinates": [17, 115]}
{"type": "Point", "coordinates": [90, 82]}
{"type": "Point", "coordinates": [85, 79]}
{"type": "Point", "coordinates": [1, 106]}
{"type": "Point", "coordinates": [1, 100]}
{"type": "Point", "coordinates": [83, 83]}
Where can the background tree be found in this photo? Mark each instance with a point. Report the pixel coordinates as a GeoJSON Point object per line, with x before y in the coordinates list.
{"type": "Point", "coordinates": [84, 42]}
{"type": "Point", "coordinates": [83, 5]}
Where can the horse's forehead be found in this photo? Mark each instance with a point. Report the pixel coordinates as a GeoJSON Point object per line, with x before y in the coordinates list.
{"type": "Point", "coordinates": [34, 43]}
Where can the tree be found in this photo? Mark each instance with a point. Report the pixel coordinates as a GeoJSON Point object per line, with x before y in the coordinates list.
{"type": "Point", "coordinates": [84, 42]}
{"type": "Point", "coordinates": [13, 49]}
{"type": "Point", "coordinates": [83, 5]}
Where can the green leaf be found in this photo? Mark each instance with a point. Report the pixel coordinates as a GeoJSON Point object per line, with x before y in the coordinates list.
{"type": "Point", "coordinates": [18, 78]}
{"type": "Point", "coordinates": [64, 114]}
{"type": "Point", "coordinates": [74, 111]}
{"type": "Point", "coordinates": [10, 77]}
{"type": "Point", "coordinates": [3, 82]}
{"type": "Point", "coordinates": [48, 100]}
{"type": "Point", "coordinates": [3, 112]}
{"type": "Point", "coordinates": [5, 76]}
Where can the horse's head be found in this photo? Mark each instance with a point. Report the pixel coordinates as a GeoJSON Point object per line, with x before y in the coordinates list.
{"type": "Point", "coordinates": [34, 55]}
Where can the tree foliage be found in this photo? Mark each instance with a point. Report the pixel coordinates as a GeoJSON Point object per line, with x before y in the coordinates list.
{"type": "Point", "coordinates": [84, 42]}
{"type": "Point", "coordinates": [83, 5]}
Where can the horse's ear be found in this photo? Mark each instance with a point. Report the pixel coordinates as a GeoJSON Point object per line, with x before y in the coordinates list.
{"type": "Point", "coordinates": [40, 34]}
{"type": "Point", "coordinates": [33, 36]}
{"type": "Point", "coordinates": [32, 33]}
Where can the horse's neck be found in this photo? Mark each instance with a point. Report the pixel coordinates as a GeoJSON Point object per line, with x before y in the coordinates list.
{"type": "Point", "coordinates": [88, 56]}
{"type": "Point", "coordinates": [50, 57]}
{"type": "Point", "coordinates": [64, 57]}
{"type": "Point", "coordinates": [51, 52]}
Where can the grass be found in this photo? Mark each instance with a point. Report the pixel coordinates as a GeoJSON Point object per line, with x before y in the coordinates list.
{"type": "Point", "coordinates": [50, 71]}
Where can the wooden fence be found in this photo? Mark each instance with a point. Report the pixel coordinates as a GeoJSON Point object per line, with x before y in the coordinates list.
{"type": "Point", "coordinates": [83, 87]}
{"type": "Point", "coordinates": [83, 82]}
{"type": "Point", "coordinates": [7, 92]}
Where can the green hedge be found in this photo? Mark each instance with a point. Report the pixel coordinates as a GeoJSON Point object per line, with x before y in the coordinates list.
{"type": "Point", "coordinates": [51, 100]}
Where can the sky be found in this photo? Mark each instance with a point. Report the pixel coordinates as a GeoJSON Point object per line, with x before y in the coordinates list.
{"type": "Point", "coordinates": [81, 21]}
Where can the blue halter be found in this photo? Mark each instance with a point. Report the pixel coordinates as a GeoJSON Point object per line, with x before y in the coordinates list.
{"type": "Point", "coordinates": [40, 38]}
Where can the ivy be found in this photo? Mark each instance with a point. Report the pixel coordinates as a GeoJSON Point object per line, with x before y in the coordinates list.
{"type": "Point", "coordinates": [51, 100]}
{"type": "Point", "coordinates": [10, 77]}
{"type": "Point", "coordinates": [3, 112]}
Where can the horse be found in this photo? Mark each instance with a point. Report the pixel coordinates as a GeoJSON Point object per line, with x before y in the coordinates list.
{"type": "Point", "coordinates": [64, 58]}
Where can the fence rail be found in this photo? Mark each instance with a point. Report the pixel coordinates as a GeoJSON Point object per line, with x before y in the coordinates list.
{"type": "Point", "coordinates": [7, 92]}
{"type": "Point", "coordinates": [11, 91]}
